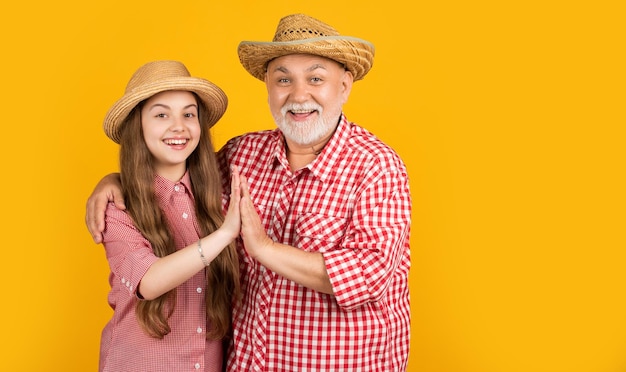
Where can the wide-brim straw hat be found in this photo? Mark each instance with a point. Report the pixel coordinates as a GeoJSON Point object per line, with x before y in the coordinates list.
{"type": "Point", "coordinates": [302, 34]}
{"type": "Point", "coordinates": [159, 76]}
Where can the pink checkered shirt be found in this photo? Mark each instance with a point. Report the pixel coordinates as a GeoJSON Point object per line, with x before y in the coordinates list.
{"type": "Point", "coordinates": [124, 345]}
{"type": "Point", "coordinates": [353, 205]}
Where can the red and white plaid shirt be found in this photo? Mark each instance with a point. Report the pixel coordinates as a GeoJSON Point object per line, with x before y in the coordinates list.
{"type": "Point", "coordinates": [352, 203]}
{"type": "Point", "coordinates": [124, 345]}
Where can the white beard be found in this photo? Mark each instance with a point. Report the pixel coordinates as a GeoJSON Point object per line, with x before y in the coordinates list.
{"type": "Point", "coordinates": [311, 131]}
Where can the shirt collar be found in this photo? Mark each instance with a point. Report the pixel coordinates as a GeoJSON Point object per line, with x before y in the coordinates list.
{"type": "Point", "coordinates": [277, 150]}
{"type": "Point", "coordinates": [165, 188]}
{"type": "Point", "coordinates": [323, 166]}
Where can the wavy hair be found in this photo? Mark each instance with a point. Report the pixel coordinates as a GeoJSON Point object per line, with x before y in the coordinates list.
{"type": "Point", "coordinates": [137, 178]}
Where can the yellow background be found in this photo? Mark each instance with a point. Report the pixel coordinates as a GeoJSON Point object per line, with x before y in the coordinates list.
{"type": "Point", "coordinates": [509, 115]}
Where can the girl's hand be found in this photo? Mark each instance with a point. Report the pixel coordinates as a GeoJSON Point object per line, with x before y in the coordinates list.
{"type": "Point", "coordinates": [232, 222]}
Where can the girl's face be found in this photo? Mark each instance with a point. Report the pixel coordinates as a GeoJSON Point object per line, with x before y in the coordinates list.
{"type": "Point", "coordinates": [171, 130]}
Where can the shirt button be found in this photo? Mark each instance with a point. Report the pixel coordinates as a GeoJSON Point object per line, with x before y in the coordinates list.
{"type": "Point", "coordinates": [185, 215]}
{"type": "Point", "coordinates": [123, 280]}
{"type": "Point", "coordinates": [199, 290]}
{"type": "Point", "coordinates": [197, 365]}
{"type": "Point", "coordinates": [176, 188]}
{"type": "Point", "coordinates": [199, 330]}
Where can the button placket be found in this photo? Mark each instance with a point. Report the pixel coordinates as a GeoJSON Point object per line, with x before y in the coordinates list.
{"type": "Point", "coordinates": [282, 207]}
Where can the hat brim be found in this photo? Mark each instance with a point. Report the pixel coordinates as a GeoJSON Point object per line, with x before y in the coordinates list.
{"type": "Point", "coordinates": [355, 54]}
{"type": "Point", "coordinates": [211, 95]}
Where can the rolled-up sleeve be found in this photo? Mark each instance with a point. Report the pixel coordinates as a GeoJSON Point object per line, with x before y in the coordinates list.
{"type": "Point", "coordinates": [376, 239]}
{"type": "Point", "coordinates": [129, 254]}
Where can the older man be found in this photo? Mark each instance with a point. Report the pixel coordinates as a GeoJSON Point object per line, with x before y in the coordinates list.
{"type": "Point", "coordinates": [326, 214]}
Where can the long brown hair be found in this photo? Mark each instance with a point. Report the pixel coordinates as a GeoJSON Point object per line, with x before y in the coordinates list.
{"type": "Point", "coordinates": [137, 178]}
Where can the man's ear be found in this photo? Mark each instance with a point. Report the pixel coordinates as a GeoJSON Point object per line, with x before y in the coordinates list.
{"type": "Point", "coordinates": [346, 83]}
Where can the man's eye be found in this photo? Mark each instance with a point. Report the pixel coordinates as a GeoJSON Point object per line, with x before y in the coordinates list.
{"type": "Point", "coordinates": [316, 79]}
{"type": "Point", "coordinates": [283, 80]}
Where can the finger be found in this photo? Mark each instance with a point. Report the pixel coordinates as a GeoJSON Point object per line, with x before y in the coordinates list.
{"type": "Point", "coordinates": [92, 226]}
{"type": "Point", "coordinates": [118, 200]}
{"type": "Point", "coordinates": [245, 190]}
{"type": "Point", "coordinates": [99, 210]}
{"type": "Point", "coordinates": [91, 222]}
{"type": "Point", "coordinates": [249, 216]}
{"type": "Point", "coordinates": [97, 238]}
{"type": "Point", "coordinates": [235, 184]}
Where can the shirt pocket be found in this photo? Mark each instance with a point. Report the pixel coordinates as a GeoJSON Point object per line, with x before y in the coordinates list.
{"type": "Point", "coordinates": [319, 233]}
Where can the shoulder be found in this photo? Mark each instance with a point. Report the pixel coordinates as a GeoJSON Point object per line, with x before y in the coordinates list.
{"type": "Point", "coordinates": [377, 153]}
{"type": "Point", "coordinates": [114, 215]}
{"type": "Point", "coordinates": [119, 225]}
{"type": "Point", "coordinates": [254, 139]}
{"type": "Point", "coordinates": [249, 144]}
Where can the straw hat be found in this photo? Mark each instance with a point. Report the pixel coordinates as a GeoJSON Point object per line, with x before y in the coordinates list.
{"type": "Point", "coordinates": [302, 34]}
{"type": "Point", "coordinates": [159, 76]}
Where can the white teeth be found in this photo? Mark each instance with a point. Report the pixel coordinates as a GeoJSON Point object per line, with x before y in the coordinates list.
{"type": "Point", "coordinates": [175, 141]}
{"type": "Point", "coordinates": [300, 111]}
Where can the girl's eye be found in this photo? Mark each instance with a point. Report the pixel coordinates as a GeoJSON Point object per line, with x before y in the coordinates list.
{"type": "Point", "coordinates": [160, 115]}
{"type": "Point", "coordinates": [190, 115]}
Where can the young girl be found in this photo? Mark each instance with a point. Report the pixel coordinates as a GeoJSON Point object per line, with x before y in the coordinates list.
{"type": "Point", "coordinates": [174, 268]}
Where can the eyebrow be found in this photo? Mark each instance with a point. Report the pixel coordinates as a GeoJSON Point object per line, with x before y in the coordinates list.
{"type": "Point", "coordinates": [169, 108]}
{"type": "Point", "coordinates": [312, 68]}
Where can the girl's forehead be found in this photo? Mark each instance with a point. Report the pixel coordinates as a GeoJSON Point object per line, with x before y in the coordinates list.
{"type": "Point", "coordinates": [171, 97]}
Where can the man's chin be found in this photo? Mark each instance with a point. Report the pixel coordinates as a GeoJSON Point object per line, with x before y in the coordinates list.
{"type": "Point", "coordinates": [302, 133]}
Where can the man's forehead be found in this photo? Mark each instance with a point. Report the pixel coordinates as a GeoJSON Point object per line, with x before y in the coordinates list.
{"type": "Point", "coordinates": [294, 62]}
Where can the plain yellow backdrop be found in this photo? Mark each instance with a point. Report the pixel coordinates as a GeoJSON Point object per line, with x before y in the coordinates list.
{"type": "Point", "coordinates": [508, 114]}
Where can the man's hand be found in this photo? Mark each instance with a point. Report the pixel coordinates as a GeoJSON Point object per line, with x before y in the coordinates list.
{"type": "Point", "coordinates": [254, 237]}
{"type": "Point", "coordinates": [305, 268]}
{"type": "Point", "coordinates": [108, 189]}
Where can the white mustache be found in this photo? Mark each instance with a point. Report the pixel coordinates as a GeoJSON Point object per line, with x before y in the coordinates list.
{"type": "Point", "coordinates": [298, 107]}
